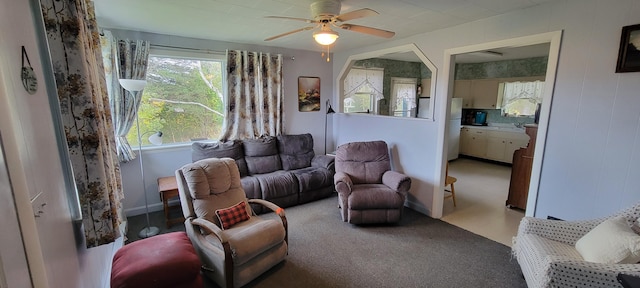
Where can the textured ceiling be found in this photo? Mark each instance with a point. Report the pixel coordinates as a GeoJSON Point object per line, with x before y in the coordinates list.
{"type": "Point", "coordinates": [243, 21]}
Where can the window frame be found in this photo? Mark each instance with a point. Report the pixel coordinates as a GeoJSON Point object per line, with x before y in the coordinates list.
{"type": "Point", "coordinates": [179, 53]}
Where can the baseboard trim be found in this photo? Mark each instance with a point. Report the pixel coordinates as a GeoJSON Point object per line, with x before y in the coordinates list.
{"type": "Point", "coordinates": [142, 210]}
{"type": "Point", "coordinates": [418, 207]}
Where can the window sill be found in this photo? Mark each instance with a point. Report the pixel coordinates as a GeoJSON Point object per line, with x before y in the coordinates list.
{"type": "Point", "coordinates": [171, 147]}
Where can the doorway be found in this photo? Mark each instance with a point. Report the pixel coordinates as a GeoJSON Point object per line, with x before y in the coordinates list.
{"type": "Point", "coordinates": [553, 39]}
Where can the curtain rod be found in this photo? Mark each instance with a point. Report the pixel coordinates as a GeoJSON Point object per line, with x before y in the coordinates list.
{"type": "Point", "coordinates": [188, 48]}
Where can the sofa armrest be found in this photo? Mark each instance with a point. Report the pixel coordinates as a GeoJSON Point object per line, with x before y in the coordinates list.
{"type": "Point", "coordinates": [323, 161]}
{"type": "Point", "coordinates": [210, 227]}
{"type": "Point", "coordinates": [276, 209]}
{"type": "Point", "coordinates": [396, 181]}
{"type": "Point", "coordinates": [568, 232]}
{"type": "Point", "coordinates": [343, 184]}
{"type": "Point", "coordinates": [585, 274]}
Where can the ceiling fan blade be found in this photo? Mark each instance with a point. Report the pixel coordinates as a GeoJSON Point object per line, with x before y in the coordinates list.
{"type": "Point", "coordinates": [368, 30]}
{"type": "Point", "coordinates": [366, 12]}
{"type": "Point", "coordinates": [291, 18]}
{"type": "Point", "coordinates": [288, 33]}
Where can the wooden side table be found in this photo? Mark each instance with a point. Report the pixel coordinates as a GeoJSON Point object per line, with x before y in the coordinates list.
{"type": "Point", "coordinates": [168, 189]}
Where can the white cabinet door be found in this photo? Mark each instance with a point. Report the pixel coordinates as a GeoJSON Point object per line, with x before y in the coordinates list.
{"type": "Point", "coordinates": [485, 93]}
{"type": "Point", "coordinates": [512, 146]}
{"type": "Point", "coordinates": [465, 141]}
{"type": "Point", "coordinates": [478, 147]}
{"type": "Point", "coordinates": [495, 148]}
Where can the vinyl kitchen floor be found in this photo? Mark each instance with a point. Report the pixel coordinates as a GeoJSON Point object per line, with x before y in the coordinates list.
{"type": "Point", "coordinates": [481, 192]}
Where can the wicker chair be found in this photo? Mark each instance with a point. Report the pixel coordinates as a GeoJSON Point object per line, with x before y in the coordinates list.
{"type": "Point", "coordinates": [545, 250]}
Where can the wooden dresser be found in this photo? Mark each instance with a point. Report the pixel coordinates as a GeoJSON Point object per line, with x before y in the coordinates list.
{"type": "Point", "coordinates": [521, 171]}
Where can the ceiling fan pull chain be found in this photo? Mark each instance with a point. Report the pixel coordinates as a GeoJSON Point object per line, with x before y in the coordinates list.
{"type": "Point", "coordinates": [328, 54]}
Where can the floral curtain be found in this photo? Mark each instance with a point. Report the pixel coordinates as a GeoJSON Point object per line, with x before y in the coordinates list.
{"type": "Point", "coordinates": [254, 106]}
{"type": "Point", "coordinates": [76, 58]}
{"type": "Point", "coordinates": [123, 59]}
{"type": "Point", "coordinates": [373, 78]}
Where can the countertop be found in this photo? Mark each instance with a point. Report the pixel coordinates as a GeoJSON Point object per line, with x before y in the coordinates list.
{"type": "Point", "coordinates": [497, 127]}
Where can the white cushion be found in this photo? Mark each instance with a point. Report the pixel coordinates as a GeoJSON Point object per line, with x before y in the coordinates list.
{"type": "Point", "coordinates": [611, 242]}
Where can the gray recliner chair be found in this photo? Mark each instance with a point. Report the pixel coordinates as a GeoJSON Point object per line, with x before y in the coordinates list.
{"type": "Point", "coordinates": [368, 191]}
{"type": "Point", "coordinates": [235, 255]}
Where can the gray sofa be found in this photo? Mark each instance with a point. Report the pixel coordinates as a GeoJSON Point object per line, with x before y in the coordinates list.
{"type": "Point", "coordinates": [283, 169]}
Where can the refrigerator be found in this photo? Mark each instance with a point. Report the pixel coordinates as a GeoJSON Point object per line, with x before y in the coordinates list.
{"type": "Point", "coordinates": [455, 123]}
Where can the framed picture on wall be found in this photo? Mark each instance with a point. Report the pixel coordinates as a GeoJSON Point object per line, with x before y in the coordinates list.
{"type": "Point", "coordinates": [629, 53]}
{"type": "Point", "coordinates": [308, 94]}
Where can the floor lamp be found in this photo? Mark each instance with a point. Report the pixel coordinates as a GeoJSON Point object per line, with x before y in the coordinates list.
{"type": "Point", "coordinates": [326, 116]}
{"type": "Point", "coordinates": [134, 87]}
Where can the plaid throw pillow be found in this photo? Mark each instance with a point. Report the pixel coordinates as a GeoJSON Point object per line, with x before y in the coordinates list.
{"type": "Point", "coordinates": [232, 215]}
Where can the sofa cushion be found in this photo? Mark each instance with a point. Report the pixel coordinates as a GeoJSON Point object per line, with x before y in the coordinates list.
{"type": "Point", "coordinates": [249, 238]}
{"type": "Point", "coordinates": [230, 149]}
{"type": "Point", "coordinates": [374, 196]}
{"type": "Point", "coordinates": [296, 151]}
{"type": "Point", "coordinates": [277, 184]}
{"type": "Point", "coordinates": [611, 242]}
{"type": "Point", "coordinates": [365, 162]}
{"type": "Point", "coordinates": [313, 178]}
{"type": "Point", "coordinates": [262, 155]}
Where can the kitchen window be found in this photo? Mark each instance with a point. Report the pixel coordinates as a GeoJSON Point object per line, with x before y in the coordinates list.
{"type": "Point", "coordinates": [184, 97]}
{"type": "Point", "coordinates": [521, 98]}
{"type": "Point", "coordinates": [403, 96]}
{"type": "Point", "coordinates": [363, 90]}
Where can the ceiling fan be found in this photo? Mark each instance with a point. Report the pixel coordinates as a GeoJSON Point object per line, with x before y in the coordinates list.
{"type": "Point", "coordinates": [325, 14]}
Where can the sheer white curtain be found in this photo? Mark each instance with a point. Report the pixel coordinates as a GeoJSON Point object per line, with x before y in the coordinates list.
{"type": "Point", "coordinates": [403, 96]}
{"type": "Point", "coordinates": [523, 90]}
{"type": "Point", "coordinates": [358, 77]}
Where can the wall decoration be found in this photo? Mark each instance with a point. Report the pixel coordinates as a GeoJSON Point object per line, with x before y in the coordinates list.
{"type": "Point", "coordinates": [308, 94]}
{"type": "Point", "coordinates": [629, 53]}
{"type": "Point", "coordinates": [29, 80]}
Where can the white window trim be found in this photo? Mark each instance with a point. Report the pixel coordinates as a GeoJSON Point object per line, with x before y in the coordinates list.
{"type": "Point", "coordinates": [184, 53]}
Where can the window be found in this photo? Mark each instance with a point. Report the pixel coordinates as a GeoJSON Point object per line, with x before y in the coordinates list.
{"type": "Point", "coordinates": [184, 98]}
{"type": "Point", "coordinates": [403, 96]}
{"type": "Point", "coordinates": [363, 100]}
{"type": "Point", "coordinates": [521, 98]}
{"type": "Point", "coordinates": [363, 90]}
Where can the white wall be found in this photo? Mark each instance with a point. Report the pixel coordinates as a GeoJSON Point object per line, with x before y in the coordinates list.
{"type": "Point", "coordinates": [163, 162]}
{"type": "Point", "coordinates": [591, 166]}
{"type": "Point", "coordinates": [55, 259]}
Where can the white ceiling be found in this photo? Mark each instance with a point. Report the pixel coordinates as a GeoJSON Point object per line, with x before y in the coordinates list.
{"type": "Point", "coordinates": [242, 21]}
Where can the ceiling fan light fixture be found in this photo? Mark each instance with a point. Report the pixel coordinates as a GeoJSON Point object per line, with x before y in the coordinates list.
{"type": "Point", "coordinates": [325, 36]}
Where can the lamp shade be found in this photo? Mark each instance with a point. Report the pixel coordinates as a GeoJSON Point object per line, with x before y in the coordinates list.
{"type": "Point", "coordinates": [156, 138]}
{"type": "Point", "coordinates": [325, 37]}
{"type": "Point", "coordinates": [132, 85]}
{"type": "Point", "coordinates": [330, 110]}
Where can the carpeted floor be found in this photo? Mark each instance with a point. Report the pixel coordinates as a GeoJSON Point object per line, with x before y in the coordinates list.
{"type": "Point", "coordinates": [418, 252]}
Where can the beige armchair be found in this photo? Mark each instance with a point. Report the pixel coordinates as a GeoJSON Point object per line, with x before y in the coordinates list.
{"type": "Point", "coordinates": [234, 256]}
{"type": "Point", "coordinates": [368, 191]}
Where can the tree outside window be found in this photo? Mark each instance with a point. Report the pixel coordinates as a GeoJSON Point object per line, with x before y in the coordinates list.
{"type": "Point", "coordinates": [183, 98]}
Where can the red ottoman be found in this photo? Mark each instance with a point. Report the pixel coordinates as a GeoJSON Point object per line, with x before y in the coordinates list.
{"type": "Point", "coordinates": [166, 260]}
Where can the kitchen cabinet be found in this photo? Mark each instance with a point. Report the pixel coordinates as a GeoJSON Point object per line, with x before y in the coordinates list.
{"type": "Point", "coordinates": [462, 89]}
{"type": "Point", "coordinates": [425, 87]}
{"type": "Point", "coordinates": [502, 144]}
{"type": "Point", "coordinates": [492, 145]}
{"type": "Point", "coordinates": [473, 142]}
{"type": "Point", "coordinates": [485, 93]}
